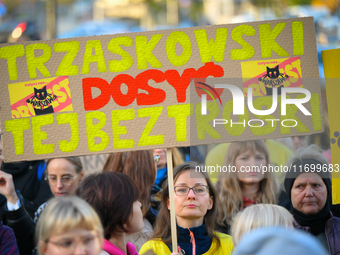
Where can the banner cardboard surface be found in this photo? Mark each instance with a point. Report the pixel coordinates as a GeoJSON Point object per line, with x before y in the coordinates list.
{"type": "Point", "coordinates": [159, 89]}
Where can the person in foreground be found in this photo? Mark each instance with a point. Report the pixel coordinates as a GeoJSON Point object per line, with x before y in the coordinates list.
{"type": "Point", "coordinates": [278, 241]}
{"type": "Point", "coordinates": [258, 216]}
{"type": "Point", "coordinates": [115, 198]}
{"type": "Point", "coordinates": [62, 175]}
{"type": "Point", "coordinates": [69, 225]}
{"type": "Point", "coordinates": [310, 194]}
{"type": "Point", "coordinates": [140, 166]}
{"type": "Point", "coordinates": [8, 242]}
{"type": "Point", "coordinates": [196, 203]}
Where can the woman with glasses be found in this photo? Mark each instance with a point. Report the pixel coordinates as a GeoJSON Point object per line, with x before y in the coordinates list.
{"type": "Point", "coordinates": [114, 196]}
{"type": "Point", "coordinates": [140, 166]}
{"type": "Point", "coordinates": [196, 205]}
{"type": "Point", "coordinates": [68, 226]}
{"type": "Point", "coordinates": [62, 175]}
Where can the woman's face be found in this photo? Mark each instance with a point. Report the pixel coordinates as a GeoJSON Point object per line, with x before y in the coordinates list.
{"type": "Point", "coordinates": [309, 193]}
{"type": "Point", "coordinates": [249, 167]}
{"type": "Point", "coordinates": [75, 241]}
{"type": "Point", "coordinates": [136, 222]}
{"type": "Point", "coordinates": [191, 207]}
{"type": "Point", "coordinates": [62, 177]}
{"type": "Point", "coordinates": [162, 157]}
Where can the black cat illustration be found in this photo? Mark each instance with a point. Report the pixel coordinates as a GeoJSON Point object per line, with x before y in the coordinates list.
{"type": "Point", "coordinates": [42, 101]}
{"type": "Point", "coordinates": [273, 79]}
{"type": "Point", "coordinates": [273, 73]}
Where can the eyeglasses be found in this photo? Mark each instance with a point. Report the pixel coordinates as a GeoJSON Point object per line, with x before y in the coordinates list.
{"type": "Point", "coordinates": [66, 180]}
{"type": "Point", "coordinates": [68, 246]}
{"type": "Point", "coordinates": [199, 190]}
{"type": "Point", "coordinates": [156, 158]}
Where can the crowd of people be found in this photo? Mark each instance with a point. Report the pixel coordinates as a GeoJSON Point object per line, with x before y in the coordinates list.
{"type": "Point", "coordinates": [53, 207]}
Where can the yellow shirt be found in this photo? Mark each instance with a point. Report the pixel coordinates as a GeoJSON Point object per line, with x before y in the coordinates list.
{"type": "Point", "coordinates": [160, 248]}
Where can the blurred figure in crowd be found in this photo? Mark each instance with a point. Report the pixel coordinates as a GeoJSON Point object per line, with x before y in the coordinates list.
{"type": "Point", "coordinates": [62, 174]}
{"type": "Point", "coordinates": [196, 204]}
{"type": "Point", "coordinates": [69, 225]}
{"type": "Point", "coordinates": [115, 198]}
{"type": "Point", "coordinates": [259, 216]}
{"type": "Point", "coordinates": [141, 168]}
{"type": "Point", "coordinates": [162, 169]}
{"type": "Point", "coordinates": [299, 141]}
{"type": "Point", "coordinates": [310, 193]}
{"type": "Point", "coordinates": [278, 241]}
{"type": "Point", "coordinates": [246, 183]}
{"type": "Point", "coordinates": [278, 155]}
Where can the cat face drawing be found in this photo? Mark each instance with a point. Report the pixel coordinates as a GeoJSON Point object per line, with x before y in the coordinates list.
{"type": "Point", "coordinates": [40, 94]}
{"type": "Point", "coordinates": [273, 79]}
{"type": "Point", "coordinates": [273, 73]}
{"type": "Point", "coordinates": [42, 101]}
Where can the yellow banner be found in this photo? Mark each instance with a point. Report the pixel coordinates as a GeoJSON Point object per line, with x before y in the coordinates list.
{"type": "Point", "coordinates": [331, 62]}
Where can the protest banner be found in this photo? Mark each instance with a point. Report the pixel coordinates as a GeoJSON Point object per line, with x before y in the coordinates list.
{"type": "Point", "coordinates": [159, 89]}
{"type": "Point", "coordinates": [331, 62]}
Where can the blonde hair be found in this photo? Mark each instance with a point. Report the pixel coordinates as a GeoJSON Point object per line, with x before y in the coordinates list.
{"type": "Point", "coordinates": [257, 216]}
{"type": "Point", "coordinates": [66, 213]}
{"type": "Point", "coordinates": [229, 186]}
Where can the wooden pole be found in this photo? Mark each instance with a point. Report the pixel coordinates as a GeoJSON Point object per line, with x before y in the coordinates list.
{"type": "Point", "coordinates": [172, 12]}
{"type": "Point", "coordinates": [51, 10]}
{"type": "Point", "coordinates": [172, 199]}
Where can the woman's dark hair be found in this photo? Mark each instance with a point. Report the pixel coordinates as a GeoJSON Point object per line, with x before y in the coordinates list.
{"type": "Point", "coordinates": [140, 167]}
{"type": "Point", "coordinates": [163, 226]}
{"type": "Point", "coordinates": [112, 196]}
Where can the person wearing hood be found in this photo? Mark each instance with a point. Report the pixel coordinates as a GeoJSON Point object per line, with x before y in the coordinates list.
{"type": "Point", "coordinates": [308, 186]}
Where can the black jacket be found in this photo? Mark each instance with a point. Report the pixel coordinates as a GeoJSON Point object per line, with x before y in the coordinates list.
{"type": "Point", "coordinates": [22, 225]}
{"type": "Point", "coordinates": [25, 177]}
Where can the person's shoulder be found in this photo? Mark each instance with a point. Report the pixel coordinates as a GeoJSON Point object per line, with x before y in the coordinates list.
{"type": "Point", "coordinates": [155, 245]}
{"type": "Point", "coordinates": [226, 244]}
{"type": "Point", "coordinates": [39, 211]}
{"type": "Point", "coordinates": [222, 235]}
{"type": "Point", "coordinates": [225, 239]}
{"type": "Point", "coordinates": [7, 236]}
{"type": "Point", "coordinates": [336, 220]}
{"type": "Point", "coordinates": [5, 230]}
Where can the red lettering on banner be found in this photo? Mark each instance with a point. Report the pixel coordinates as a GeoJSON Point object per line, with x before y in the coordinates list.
{"type": "Point", "coordinates": [155, 95]}
{"type": "Point", "coordinates": [91, 104]}
{"type": "Point", "coordinates": [180, 83]}
{"type": "Point", "coordinates": [117, 95]}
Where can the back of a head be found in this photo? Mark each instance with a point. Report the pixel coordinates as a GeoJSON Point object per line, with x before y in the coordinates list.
{"type": "Point", "coordinates": [259, 216]}
{"type": "Point", "coordinates": [66, 213]}
{"type": "Point", "coordinates": [112, 195]}
{"type": "Point", "coordinates": [140, 167]}
{"type": "Point", "coordinates": [279, 241]}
